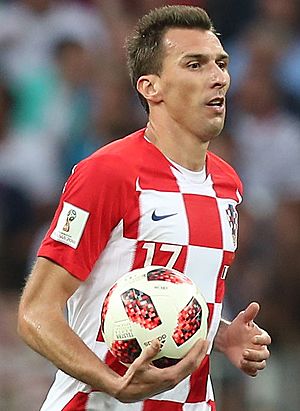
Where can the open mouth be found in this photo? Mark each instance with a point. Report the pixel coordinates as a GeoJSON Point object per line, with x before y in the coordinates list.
{"type": "Point", "coordinates": [217, 102]}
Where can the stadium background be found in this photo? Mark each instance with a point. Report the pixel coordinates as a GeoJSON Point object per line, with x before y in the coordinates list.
{"type": "Point", "coordinates": [64, 92]}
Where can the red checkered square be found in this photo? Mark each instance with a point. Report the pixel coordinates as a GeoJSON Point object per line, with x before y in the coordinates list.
{"type": "Point", "coordinates": [204, 221]}
{"type": "Point", "coordinates": [157, 405]}
{"type": "Point", "coordinates": [228, 258]}
{"type": "Point", "coordinates": [198, 382]}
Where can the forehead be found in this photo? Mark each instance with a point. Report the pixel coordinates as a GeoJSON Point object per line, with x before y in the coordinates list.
{"type": "Point", "coordinates": [180, 41]}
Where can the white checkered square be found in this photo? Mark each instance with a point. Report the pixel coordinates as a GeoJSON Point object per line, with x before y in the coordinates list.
{"type": "Point", "coordinates": [203, 264]}
{"type": "Point", "coordinates": [160, 213]}
{"type": "Point", "coordinates": [198, 406]}
{"type": "Point", "coordinates": [177, 394]}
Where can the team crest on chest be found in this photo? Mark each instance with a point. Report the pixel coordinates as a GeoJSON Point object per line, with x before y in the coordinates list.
{"type": "Point", "coordinates": [232, 216]}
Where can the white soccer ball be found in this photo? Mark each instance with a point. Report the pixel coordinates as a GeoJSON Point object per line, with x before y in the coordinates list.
{"type": "Point", "coordinates": [149, 303]}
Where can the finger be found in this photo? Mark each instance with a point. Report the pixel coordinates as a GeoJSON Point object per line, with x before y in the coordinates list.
{"type": "Point", "coordinates": [262, 339]}
{"type": "Point", "coordinates": [144, 358]}
{"type": "Point", "coordinates": [250, 312]}
{"type": "Point", "coordinates": [251, 368]}
{"type": "Point", "coordinates": [256, 355]}
{"type": "Point", "coordinates": [149, 353]}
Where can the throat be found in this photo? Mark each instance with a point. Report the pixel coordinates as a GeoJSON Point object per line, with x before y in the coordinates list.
{"type": "Point", "coordinates": [192, 158]}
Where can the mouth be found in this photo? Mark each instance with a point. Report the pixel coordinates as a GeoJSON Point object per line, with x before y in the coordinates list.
{"type": "Point", "coordinates": [217, 104]}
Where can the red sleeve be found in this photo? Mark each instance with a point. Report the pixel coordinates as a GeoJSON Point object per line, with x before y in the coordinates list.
{"type": "Point", "coordinates": [95, 196]}
{"type": "Point", "coordinates": [225, 179]}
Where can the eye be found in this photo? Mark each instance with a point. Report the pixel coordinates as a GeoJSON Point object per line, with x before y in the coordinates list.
{"type": "Point", "coordinates": [194, 65]}
{"type": "Point", "coordinates": [222, 64]}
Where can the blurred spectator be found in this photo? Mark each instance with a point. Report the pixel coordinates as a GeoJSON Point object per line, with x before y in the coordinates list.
{"type": "Point", "coordinates": [230, 16]}
{"type": "Point", "coordinates": [278, 387]}
{"type": "Point", "coordinates": [267, 142]}
{"type": "Point", "coordinates": [48, 106]}
{"type": "Point", "coordinates": [16, 210]}
{"type": "Point", "coordinates": [74, 101]}
{"type": "Point", "coordinates": [28, 159]}
{"type": "Point", "coordinates": [15, 236]}
{"type": "Point", "coordinates": [286, 271]}
{"type": "Point", "coordinates": [29, 28]}
{"type": "Point", "coordinates": [274, 31]}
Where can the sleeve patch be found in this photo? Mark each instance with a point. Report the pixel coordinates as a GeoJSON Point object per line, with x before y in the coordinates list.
{"type": "Point", "coordinates": [70, 225]}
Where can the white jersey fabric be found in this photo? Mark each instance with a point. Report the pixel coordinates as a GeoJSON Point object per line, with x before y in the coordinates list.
{"type": "Point", "coordinates": [106, 225]}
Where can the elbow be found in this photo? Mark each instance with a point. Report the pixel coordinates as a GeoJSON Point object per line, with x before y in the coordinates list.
{"type": "Point", "coordinates": [25, 323]}
{"type": "Point", "coordinates": [22, 326]}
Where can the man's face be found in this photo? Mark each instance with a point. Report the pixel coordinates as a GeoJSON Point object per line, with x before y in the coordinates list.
{"type": "Point", "coordinates": [194, 81]}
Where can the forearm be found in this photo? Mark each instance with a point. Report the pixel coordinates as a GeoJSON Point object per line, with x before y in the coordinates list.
{"type": "Point", "coordinates": [51, 336]}
{"type": "Point", "coordinates": [220, 342]}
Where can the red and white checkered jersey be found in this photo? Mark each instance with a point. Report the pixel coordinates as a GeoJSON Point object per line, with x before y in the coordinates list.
{"type": "Point", "coordinates": [108, 222]}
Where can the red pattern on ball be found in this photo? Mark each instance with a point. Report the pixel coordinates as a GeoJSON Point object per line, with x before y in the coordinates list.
{"type": "Point", "coordinates": [126, 350]}
{"type": "Point", "coordinates": [105, 305]}
{"type": "Point", "coordinates": [140, 308]}
{"type": "Point", "coordinates": [164, 362]}
{"type": "Point", "coordinates": [164, 274]}
{"type": "Point", "coordinates": [188, 322]}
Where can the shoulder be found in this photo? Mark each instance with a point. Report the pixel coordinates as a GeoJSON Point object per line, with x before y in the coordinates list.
{"type": "Point", "coordinates": [221, 170]}
{"type": "Point", "coordinates": [119, 159]}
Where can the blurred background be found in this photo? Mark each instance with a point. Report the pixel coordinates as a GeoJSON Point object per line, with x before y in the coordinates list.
{"type": "Point", "coordinates": [64, 92]}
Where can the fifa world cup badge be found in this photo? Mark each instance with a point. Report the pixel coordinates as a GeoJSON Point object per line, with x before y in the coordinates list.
{"type": "Point", "coordinates": [70, 225]}
{"type": "Point", "coordinates": [70, 217]}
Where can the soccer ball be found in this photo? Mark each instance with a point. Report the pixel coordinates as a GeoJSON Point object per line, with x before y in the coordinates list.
{"type": "Point", "coordinates": [149, 303]}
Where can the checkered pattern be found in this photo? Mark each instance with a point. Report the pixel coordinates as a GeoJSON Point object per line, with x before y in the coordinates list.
{"type": "Point", "coordinates": [188, 322]}
{"type": "Point", "coordinates": [196, 235]}
{"type": "Point", "coordinates": [140, 309]}
{"type": "Point", "coordinates": [162, 274]}
{"type": "Point", "coordinates": [126, 350]}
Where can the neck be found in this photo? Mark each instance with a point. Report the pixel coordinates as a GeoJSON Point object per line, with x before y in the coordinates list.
{"type": "Point", "coordinates": [178, 144]}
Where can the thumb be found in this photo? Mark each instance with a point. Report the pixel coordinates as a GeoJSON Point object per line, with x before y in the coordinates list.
{"type": "Point", "coordinates": [144, 358]}
{"type": "Point", "coordinates": [152, 350]}
{"type": "Point", "coordinates": [149, 353]}
{"type": "Point", "coordinates": [250, 312]}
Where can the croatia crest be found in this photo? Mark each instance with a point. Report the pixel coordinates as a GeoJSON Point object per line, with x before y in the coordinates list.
{"type": "Point", "coordinates": [233, 222]}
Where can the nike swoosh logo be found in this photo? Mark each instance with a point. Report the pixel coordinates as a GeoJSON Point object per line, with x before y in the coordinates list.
{"type": "Point", "coordinates": [156, 217]}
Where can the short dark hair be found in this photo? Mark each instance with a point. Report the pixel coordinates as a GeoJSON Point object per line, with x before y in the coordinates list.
{"type": "Point", "coordinates": [144, 45]}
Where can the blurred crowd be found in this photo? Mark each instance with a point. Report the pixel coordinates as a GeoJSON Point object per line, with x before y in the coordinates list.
{"type": "Point", "coordinates": [65, 91]}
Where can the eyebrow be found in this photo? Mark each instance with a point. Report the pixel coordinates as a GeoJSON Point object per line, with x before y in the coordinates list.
{"type": "Point", "coordinates": [199, 56]}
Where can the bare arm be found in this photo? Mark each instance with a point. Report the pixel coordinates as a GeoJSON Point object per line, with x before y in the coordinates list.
{"type": "Point", "coordinates": [42, 325]}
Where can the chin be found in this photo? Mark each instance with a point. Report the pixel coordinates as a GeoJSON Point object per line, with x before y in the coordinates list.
{"type": "Point", "coordinates": [210, 133]}
{"type": "Point", "coordinates": [215, 129]}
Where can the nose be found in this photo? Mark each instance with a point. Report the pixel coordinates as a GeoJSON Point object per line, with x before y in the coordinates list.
{"type": "Point", "coordinates": [219, 78]}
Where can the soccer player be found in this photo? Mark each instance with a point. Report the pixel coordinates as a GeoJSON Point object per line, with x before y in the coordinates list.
{"type": "Point", "coordinates": [155, 197]}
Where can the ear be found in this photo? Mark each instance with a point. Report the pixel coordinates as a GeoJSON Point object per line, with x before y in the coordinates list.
{"type": "Point", "coordinates": [149, 87]}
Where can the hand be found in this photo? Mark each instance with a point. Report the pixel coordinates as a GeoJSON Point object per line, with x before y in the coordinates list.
{"type": "Point", "coordinates": [246, 343]}
{"type": "Point", "coordinates": [143, 380]}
